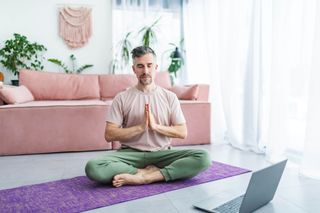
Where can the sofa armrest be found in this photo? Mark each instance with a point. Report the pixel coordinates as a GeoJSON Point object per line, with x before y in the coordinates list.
{"type": "Point", "coordinates": [203, 92]}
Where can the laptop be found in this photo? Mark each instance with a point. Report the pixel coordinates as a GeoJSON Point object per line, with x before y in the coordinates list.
{"type": "Point", "coordinates": [260, 191]}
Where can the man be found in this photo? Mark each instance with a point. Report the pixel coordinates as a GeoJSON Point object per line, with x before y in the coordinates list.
{"type": "Point", "coordinates": [144, 118]}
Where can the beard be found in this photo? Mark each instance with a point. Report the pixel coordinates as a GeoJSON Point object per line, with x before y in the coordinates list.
{"type": "Point", "coordinates": [145, 79]}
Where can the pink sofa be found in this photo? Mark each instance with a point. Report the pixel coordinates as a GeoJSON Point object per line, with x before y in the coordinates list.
{"type": "Point", "coordinates": [65, 112]}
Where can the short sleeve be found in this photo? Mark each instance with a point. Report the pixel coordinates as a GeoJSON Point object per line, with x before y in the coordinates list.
{"type": "Point", "coordinates": [115, 114]}
{"type": "Point", "coordinates": [177, 116]}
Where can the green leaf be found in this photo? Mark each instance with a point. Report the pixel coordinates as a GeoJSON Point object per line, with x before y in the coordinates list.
{"type": "Point", "coordinates": [59, 63]}
{"type": "Point", "coordinates": [19, 53]}
{"type": "Point", "coordinates": [149, 34]}
{"type": "Point", "coordinates": [73, 61]}
{"type": "Point", "coordinates": [84, 67]}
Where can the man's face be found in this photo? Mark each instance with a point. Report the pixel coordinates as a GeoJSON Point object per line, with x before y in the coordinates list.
{"type": "Point", "coordinates": [145, 68]}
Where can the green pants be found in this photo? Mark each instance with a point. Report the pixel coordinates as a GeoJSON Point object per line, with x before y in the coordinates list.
{"type": "Point", "coordinates": [173, 164]}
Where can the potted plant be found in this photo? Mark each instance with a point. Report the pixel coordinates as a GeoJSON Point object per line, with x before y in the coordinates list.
{"type": "Point", "coordinates": [149, 33]}
{"type": "Point", "coordinates": [122, 56]}
{"type": "Point", "coordinates": [74, 68]}
{"type": "Point", "coordinates": [19, 53]}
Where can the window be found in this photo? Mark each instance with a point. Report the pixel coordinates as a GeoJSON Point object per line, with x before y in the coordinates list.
{"type": "Point", "coordinates": [133, 15]}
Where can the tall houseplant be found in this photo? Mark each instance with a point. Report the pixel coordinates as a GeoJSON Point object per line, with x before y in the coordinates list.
{"type": "Point", "coordinates": [19, 53]}
{"type": "Point", "coordinates": [149, 33]}
{"type": "Point", "coordinates": [74, 66]}
{"type": "Point", "coordinates": [122, 57]}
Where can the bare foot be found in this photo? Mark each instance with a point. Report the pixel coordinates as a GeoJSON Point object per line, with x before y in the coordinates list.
{"type": "Point", "coordinates": [128, 179]}
{"type": "Point", "coordinates": [150, 169]}
{"type": "Point", "coordinates": [147, 175]}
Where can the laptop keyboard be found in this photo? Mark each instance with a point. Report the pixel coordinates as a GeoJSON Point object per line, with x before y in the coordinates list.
{"type": "Point", "coordinates": [232, 206]}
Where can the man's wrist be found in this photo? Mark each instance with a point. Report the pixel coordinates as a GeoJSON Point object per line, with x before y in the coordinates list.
{"type": "Point", "coordinates": [140, 128]}
{"type": "Point", "coordinates": [155, 127]}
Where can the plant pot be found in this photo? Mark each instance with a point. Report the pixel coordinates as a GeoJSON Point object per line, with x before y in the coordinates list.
{"type": "Point", "coordinates": [1, 76]}
{"type": "Point", "coordinates": [15, 82]}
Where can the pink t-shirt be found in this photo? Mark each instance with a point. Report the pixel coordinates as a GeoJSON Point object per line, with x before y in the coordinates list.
{"type": "Point", "coordinates": [127, 110]}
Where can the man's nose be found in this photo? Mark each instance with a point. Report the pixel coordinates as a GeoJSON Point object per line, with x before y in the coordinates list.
{"type": "Point", "coordinates": [145, 70]}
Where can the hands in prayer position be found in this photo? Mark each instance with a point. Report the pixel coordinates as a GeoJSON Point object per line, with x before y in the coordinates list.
{"type": "Point", "coordinates": [149, 118]}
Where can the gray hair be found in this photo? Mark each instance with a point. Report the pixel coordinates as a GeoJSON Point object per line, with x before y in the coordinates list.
{"type": "Point", "coordinates": [141, 51]}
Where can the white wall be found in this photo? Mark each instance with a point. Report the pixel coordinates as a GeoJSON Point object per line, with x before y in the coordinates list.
{"type": "Point", "coordinates": [38, 20]}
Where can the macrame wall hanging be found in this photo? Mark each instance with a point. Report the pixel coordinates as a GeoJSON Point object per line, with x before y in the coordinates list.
{"type": "Point", "coordinates": [75, 25]}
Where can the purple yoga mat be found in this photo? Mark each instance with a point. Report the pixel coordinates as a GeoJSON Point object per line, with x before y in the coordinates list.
{"type": "Point", "coordinates": [80, 194]}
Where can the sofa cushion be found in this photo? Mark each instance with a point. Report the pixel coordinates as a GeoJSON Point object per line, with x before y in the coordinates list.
{"type": "Point", "coordinates": [1, 101]}
{"type": "Point", "coordinates": [163, 79]}
{"type": "Point", "coordinates": [111, 85]}
{"type": "Point", "coordinates": [15, 95]}
{"type": "Point", "coordinates": [186, 92]}
{"type": "Point", "coordinates": [60, 86]}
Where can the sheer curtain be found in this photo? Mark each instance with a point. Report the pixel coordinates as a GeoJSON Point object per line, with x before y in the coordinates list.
{"type": "Point", "coordinates": [261, 59]}
{"type": "Point", "coordinates": [311, 159]}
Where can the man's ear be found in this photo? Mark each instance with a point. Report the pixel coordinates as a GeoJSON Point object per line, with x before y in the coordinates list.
{"type": "Point", "coordinates": [133, 69]}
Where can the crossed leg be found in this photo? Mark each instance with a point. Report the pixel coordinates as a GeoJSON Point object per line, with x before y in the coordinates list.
{"type": "Point", "coordinates": [126, 167]}
{"type": "Point", "coordinates": [149, 174]}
